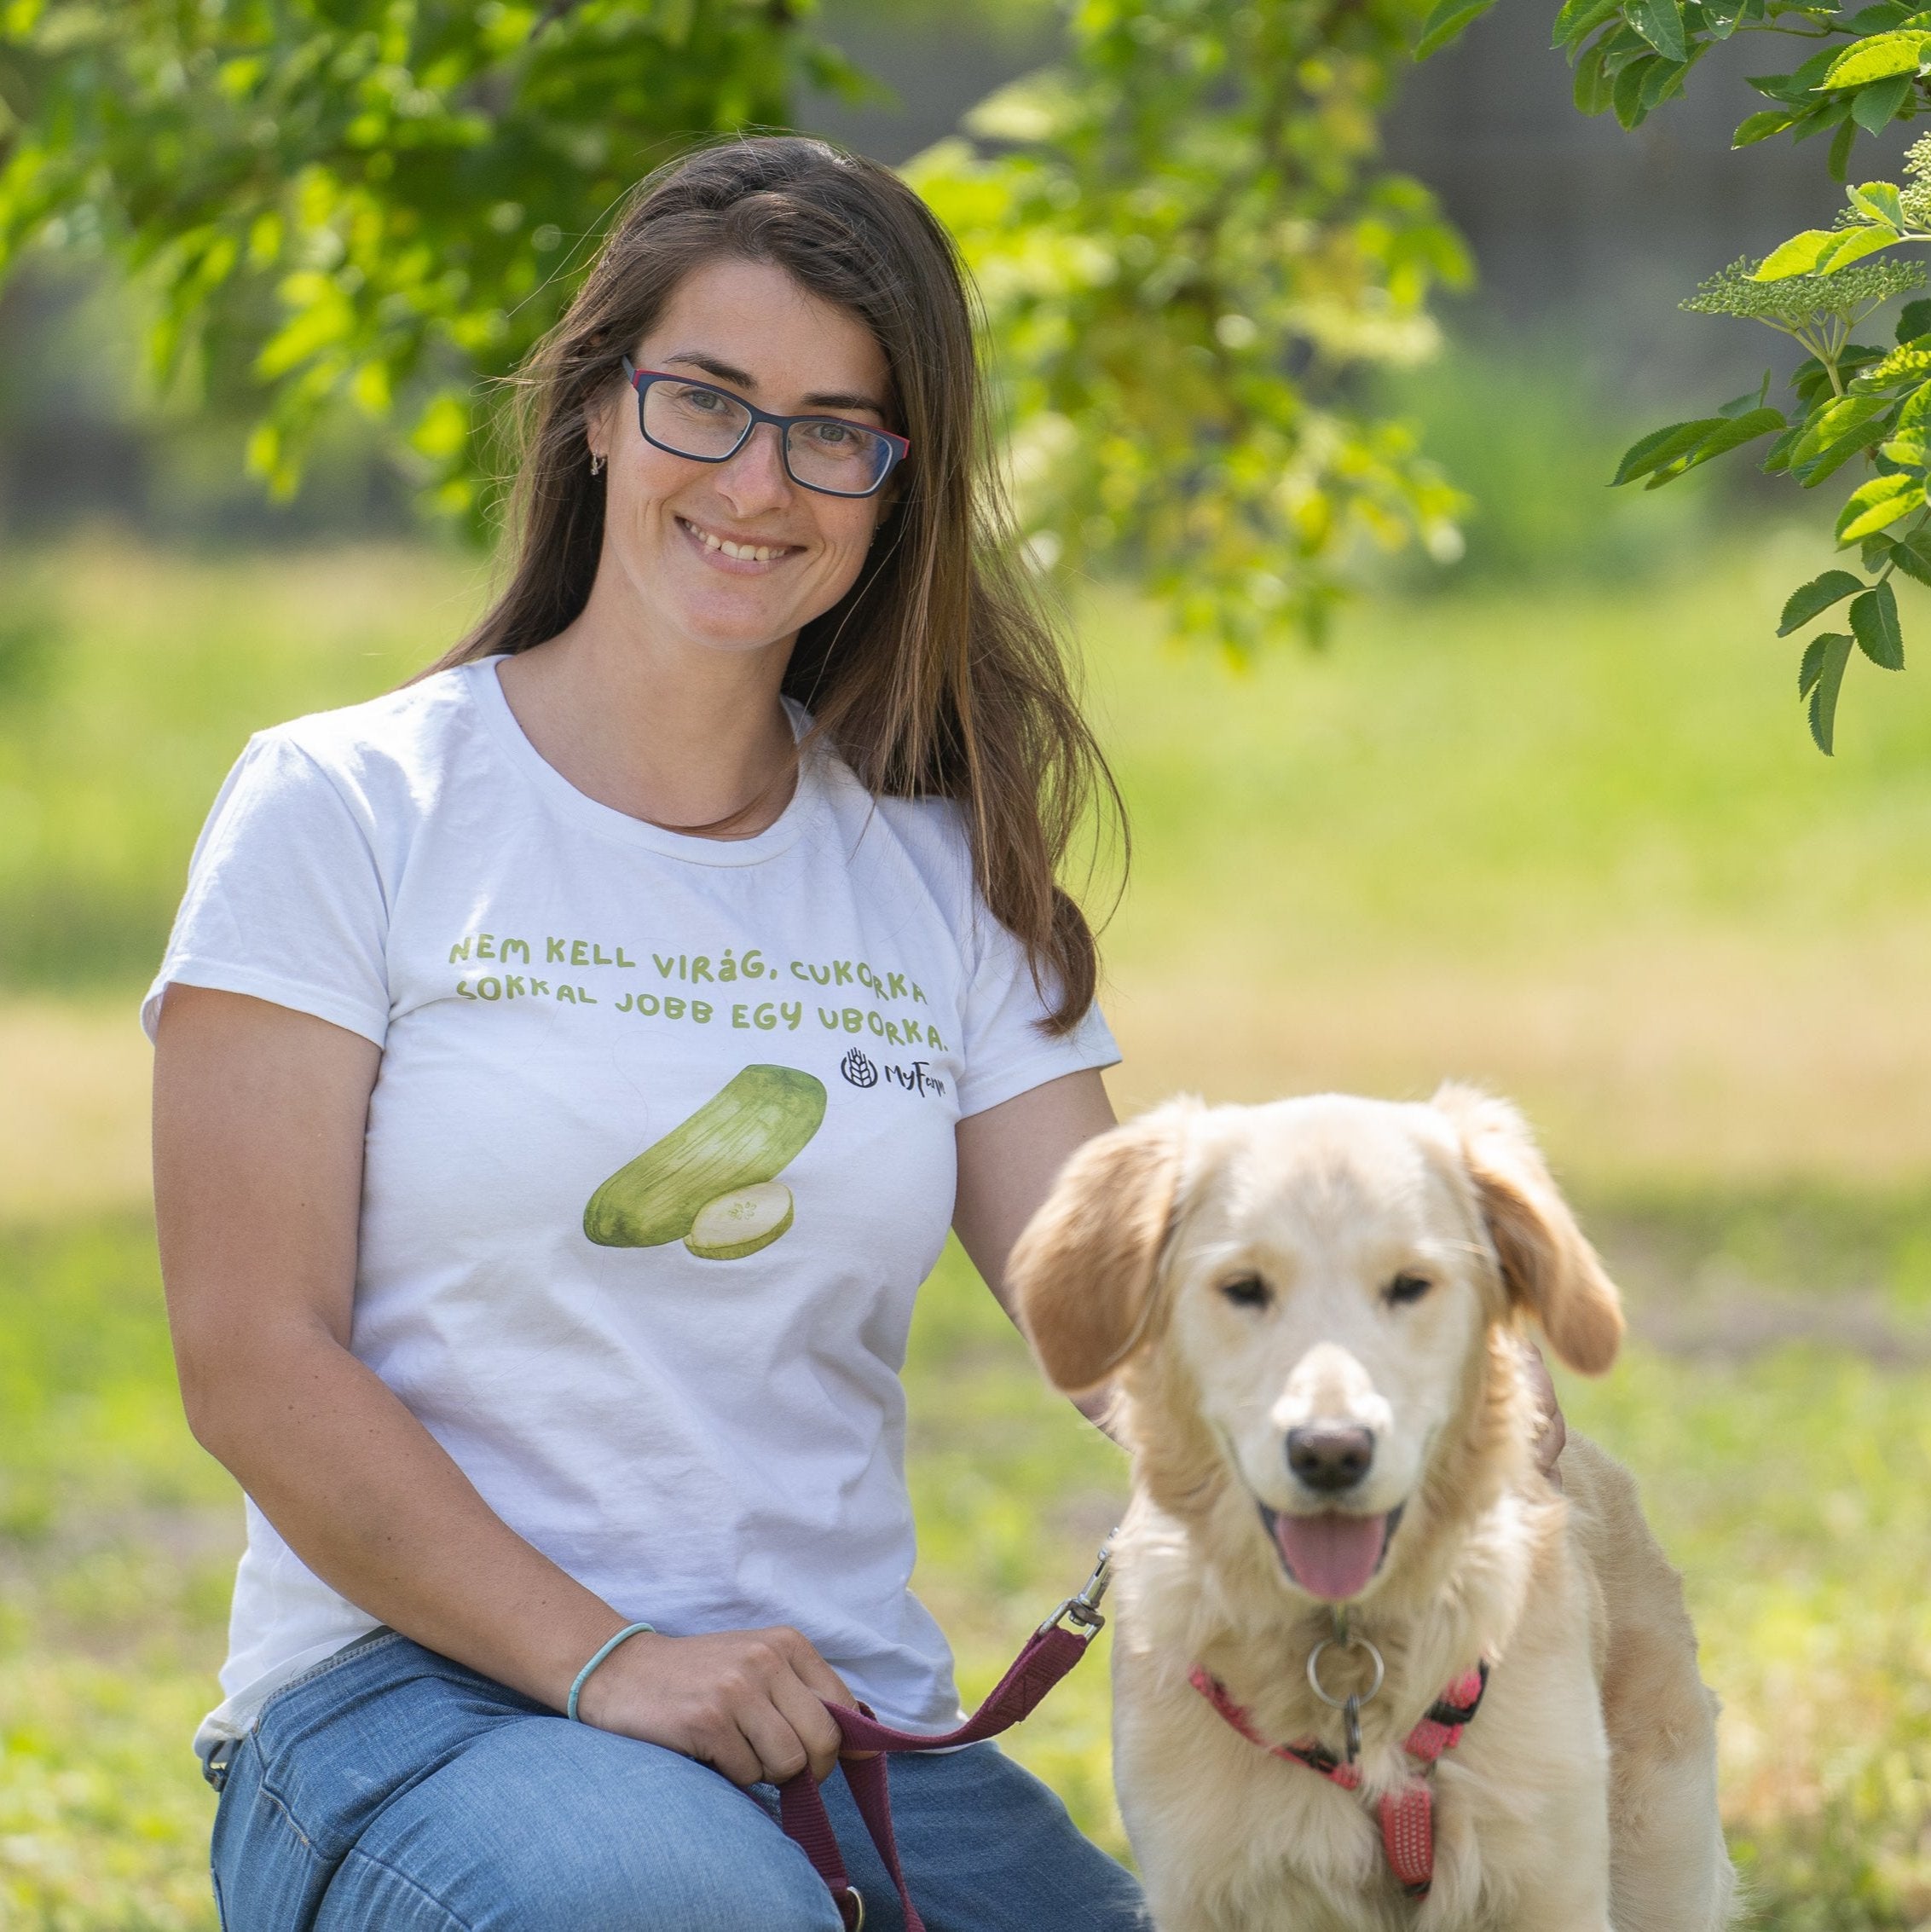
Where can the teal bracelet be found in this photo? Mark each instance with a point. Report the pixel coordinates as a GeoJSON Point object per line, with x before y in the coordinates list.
{"type": "Point", "coordinates": [583, 1675]}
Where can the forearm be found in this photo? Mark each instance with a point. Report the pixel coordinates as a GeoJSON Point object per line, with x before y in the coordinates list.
{"type": "Point", "coordinates": [369, 1499]}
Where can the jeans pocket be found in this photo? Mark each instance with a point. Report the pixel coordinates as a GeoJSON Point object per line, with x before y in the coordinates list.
{"type": "Point", "coordinates": [375, 1640]}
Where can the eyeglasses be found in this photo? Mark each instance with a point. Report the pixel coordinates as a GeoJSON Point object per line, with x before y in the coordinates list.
{"type": "Point", "coordinates": [711, 425]}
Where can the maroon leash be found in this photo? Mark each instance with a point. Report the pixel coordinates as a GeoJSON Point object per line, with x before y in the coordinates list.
{"type": "Point", "coordinates": [1050, 1651]}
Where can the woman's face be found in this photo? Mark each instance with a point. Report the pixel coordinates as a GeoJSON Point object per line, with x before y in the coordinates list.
{"type": "Point", "coordinates": [747, 327]}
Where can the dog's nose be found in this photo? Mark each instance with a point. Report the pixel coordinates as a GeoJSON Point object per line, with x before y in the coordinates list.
{"type": "Point", "coordinates": [1330, 1456]}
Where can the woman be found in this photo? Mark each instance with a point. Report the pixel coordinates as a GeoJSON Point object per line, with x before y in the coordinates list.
{"type": "Point", "coordinates": [567, 1069]}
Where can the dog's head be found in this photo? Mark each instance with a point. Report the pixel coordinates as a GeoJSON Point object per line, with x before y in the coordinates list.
{"type": "Point", "coordinates": [1312, 1291]}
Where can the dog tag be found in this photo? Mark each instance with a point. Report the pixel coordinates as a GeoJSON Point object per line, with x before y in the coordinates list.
{"type": "Point", "coordinates": [1351, 1726]}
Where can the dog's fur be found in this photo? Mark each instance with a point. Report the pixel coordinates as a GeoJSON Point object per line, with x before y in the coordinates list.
{"type": "Point", "coordinates": [1583, 1796]}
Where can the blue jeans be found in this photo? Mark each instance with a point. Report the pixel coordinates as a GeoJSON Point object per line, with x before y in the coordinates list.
{"type": "Point", "coordinates": [392, 1790]}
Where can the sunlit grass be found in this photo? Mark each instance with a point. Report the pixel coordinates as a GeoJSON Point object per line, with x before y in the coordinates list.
{"type": "Point", "coordinates": [1574, 843]}
{"type": "Point", "coordinates": [1794, 1487]}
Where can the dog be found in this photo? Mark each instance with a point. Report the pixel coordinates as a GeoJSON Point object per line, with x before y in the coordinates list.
{"type": "Point", "coordinates": [1373, 1671]}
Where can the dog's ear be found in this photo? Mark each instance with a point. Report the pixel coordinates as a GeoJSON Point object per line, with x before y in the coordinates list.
{"type": "Point", "coordinates": [1547, 1266]}
{"type": "Point", "coordinates": [1084, 1272]}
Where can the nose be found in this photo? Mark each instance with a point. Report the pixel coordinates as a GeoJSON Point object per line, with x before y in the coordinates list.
{"type": "Point", "coordinates": [1330, 1456]}
{"type": "Point", "coordinates": [755, 478]}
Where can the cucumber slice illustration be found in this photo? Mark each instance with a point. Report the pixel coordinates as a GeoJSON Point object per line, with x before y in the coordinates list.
{"type": "Point", "coordinates": [753, 1127]}
{"type": "Point", "coordinates": [742, 1223]}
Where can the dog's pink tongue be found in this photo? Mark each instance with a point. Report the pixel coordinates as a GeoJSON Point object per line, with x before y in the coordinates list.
{"type": "Point", "coordinates": [1332, 1556]}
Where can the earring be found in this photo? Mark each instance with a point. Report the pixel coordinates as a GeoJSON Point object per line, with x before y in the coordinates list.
{"type": "Point", "coordinates": [596, 462]}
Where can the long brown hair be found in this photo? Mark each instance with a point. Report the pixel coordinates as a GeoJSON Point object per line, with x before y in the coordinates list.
{"type": "Point", "coordinates": [938, 673]}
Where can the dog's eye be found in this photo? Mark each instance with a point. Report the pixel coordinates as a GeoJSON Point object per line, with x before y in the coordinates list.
{"type": "Point", "coordinates": [1247, 1291]}
{"type": "Point", "coordinates": [1407, 1289]}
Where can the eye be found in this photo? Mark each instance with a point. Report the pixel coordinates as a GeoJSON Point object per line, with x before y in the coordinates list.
{"type": "Point", "coordinates": [1247, 1291]}
{"type": "Point", "coordinates": [1407, 1289]}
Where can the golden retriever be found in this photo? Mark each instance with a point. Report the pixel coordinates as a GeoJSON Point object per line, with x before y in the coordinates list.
{"type": "Point", "coordinates": [1312, 1315]}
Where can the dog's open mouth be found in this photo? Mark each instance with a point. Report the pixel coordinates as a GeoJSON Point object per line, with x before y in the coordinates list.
{"type": "Point", "coordinates": [1331, 1555]}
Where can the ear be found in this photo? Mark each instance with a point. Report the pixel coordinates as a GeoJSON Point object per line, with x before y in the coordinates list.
{"type": "Point", "coordinates": [1084, 1272]}
{"type": "Point", "coordinates": [1548, 1267]}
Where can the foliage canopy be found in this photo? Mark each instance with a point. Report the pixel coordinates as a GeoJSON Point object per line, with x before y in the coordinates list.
{"type": "Point", "coordinates": [1188, 251]}
{"type": "Point", "coordinates": [1851, 404]}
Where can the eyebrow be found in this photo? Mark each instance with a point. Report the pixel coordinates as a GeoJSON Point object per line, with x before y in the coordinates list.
{"type": "Point", "coordinates": [740, 378]}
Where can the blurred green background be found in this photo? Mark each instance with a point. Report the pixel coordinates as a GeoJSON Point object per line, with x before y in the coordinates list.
{"type": "Point", "coordinates": [1563, 838]}
{"type": "Point", "coordinates": [1548, 819]}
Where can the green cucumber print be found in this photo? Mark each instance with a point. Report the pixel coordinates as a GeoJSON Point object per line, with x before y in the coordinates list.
{"type": "Point", "coordinates": [740, 1223]}
{"type": "Point", "coordinates": [746, 1133]}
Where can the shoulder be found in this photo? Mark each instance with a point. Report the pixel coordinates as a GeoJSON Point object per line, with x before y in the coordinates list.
{"type": "Point", "coordinates": [910, 844]}
{"type": "Point", "coordinates": [389, 756]}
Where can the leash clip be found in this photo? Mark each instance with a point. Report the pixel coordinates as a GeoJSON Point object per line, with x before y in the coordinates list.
{"type": "Point", "coordinates": [1082, 1609]}
{"type": "Point", "coordinates": [1350, 1706]}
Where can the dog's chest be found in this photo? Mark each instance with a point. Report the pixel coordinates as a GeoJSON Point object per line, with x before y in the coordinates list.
{"type": "Point", "coordinates": [1235, 1838]}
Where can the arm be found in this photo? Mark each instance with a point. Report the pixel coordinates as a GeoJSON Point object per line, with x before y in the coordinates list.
{"type": "Point", "coordinates": [259, 1118]}
{"type": "Point", "coordinates": [1008, 1158]}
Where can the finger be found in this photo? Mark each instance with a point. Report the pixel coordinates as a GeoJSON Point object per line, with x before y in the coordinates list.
{"type": "Point", "coordinates": [811, 1724]}
{"type": "Point", "coordinates": [812, 1671]}
{"type": "Point", "coordinates": [781, 1754]}
{"type": "Point", "coordinates": [725, 1748]}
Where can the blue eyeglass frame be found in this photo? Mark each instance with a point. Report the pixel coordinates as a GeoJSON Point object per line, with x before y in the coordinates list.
{"type": "Point", "coordinates": [899, 448]}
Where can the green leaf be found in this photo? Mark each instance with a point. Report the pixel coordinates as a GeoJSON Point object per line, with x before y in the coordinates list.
{"type": "Point", "coordinates": [1875, 59]}
{"type": "Point", "coordinates": [1842, 419]}
{"type": "Point", "coordinates": [1799, 256]}
{"type": "Point", "coordinates": [1874, 623]}
{"type": "Point", "coordinates": [1734, 433]}
{"type": "Point", "coordinates": [1451, 20]}
{"type": "Point", "coordinates": [1912, 555]}
{"type": "Point", "coordinates": [1914, 319]}
{"type": "Point", "coordinates": [1777, 458]}
{"type": "Point", "coordinates": [1626, 91]}
{"type": "Point", "coordinates": [1660, 22]}
{"type": "Point", "coordinates": [1824, 687]}
{"type": "Point", "coordinates": [1837, 162]}
{"type": "Point", "coordinates": [1760, 127]}
{"type": "Point", "coordinates": [1664, 78]}
{"type": "Point", "coordinates": [1751, 399]}
{"type": "Point", "coordinates": [1663, 446]}
{"type": "Point", "coordinates": [1812, 666]}
{"type": "Point", "coordinates": [1878, 504]}
{"type": "Point", "coordinates": [1875, 107]}
{"type": "Point", "coordinates": [1579, 19]}
{"type": "Point", "coordinates": [1796, 86]}
{"type": "Point", "coordinates": [1813, 470]}
{"type": "Point", "coordinates": [1855, 243]}
{"type": "Point", "coordinates": [1880, 19]}
{"type": "Point", "coordinates": [1915, 415]}
{"type": "Point", "coordinates": [1810, 600]}
{"type": "Point", "coordinates": [1879, 200]}
{"type": "Point", "coordinates": [1591, 86]}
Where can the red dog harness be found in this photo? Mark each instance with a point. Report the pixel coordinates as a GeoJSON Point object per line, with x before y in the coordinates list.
{"type": "Point", "coordinates": [1407, 1815]}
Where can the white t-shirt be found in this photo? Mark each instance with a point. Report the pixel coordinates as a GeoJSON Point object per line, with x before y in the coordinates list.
{"type": "Point", "coordinates": [710, 1440]}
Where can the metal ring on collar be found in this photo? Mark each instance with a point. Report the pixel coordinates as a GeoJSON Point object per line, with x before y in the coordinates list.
{"type": "Point", "coordinates": [1346, 1643]}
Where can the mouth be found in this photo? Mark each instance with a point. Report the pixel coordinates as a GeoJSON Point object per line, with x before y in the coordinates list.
{"type": "Point", "coordinates": [740, 557]}
{"type": "Point", "coordinates": [1330, 1555]}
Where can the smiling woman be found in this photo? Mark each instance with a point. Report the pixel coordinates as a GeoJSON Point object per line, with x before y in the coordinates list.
{"type": "Point", "coordinates": [541, 1244]}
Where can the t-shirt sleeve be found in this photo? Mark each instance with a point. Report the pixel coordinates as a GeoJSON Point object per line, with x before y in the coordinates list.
{"type": "Point", "coordinates": [284, 897]}
{"type": "Point", "coordinates": [1005, 1051]}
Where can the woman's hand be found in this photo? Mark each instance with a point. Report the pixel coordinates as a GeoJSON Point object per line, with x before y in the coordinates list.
{"type": "Point", "coordinates": [750, 1703]}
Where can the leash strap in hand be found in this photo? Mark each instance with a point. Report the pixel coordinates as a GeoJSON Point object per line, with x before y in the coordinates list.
{"type": "Point", "coordinates": [1049, 1653]}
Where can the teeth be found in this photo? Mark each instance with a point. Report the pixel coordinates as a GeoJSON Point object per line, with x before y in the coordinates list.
{"type": "Point", "coordinates": [754, 552]}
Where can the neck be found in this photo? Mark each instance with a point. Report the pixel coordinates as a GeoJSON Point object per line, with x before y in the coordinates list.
{"type": "Point", "coordinates": [657, 726]}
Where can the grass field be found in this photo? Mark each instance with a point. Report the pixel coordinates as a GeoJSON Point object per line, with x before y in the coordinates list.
{"type": "Point", "coordinates": [1576, 845]}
